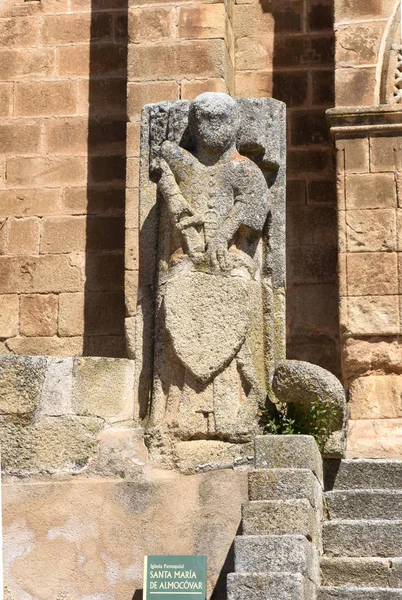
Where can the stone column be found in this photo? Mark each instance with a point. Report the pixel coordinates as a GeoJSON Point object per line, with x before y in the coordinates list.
{"type": "Point", "coordinates": [369, 172]}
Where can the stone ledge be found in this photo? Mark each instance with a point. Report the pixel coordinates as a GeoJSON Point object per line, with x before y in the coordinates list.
{"type": "Point", "coordinates": [360, 119]}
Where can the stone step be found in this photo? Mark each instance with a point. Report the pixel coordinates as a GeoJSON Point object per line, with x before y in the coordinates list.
{"type": "Point", "coordinates": [353, 593]}
{"type": "Point", "coordinates": [279, 517]}
{"type": "Point", "coordinates": [268, 554]}
{"type": "Point", "coordinates": [288, 451]}
{"type": "Point", "coordinates": [361, 572]}
{"type": "Point", "coordinates": [364, 474]}
{"type": "Point", "coordinates": [283, 484]}
{"type": "Point", "coordinates": [355, 572]}
{"type": "Point", "coordinates": [267, 586]}
{"type": "Point", "coordinates": [362, 538]}
{"type": "Point", "coordinates": [364, 504]}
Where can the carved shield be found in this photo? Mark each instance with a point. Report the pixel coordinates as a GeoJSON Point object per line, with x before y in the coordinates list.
{"type": "Point", "coordinates": [207, 318]}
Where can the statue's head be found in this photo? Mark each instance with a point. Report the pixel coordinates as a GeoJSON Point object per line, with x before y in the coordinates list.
{"type": "Point", "coordinates": [214, 121]}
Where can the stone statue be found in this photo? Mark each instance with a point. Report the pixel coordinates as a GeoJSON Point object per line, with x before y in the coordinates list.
{"type": "Point", "coordinates": [214, 276]}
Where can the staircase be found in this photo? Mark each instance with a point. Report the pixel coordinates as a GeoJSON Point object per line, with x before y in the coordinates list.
{"type": "Point", "coordinates": [277, 555]}
{"type": "Point", "coordinates": [362, 538]}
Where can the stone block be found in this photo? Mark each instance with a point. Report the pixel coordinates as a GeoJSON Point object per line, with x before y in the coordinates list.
{"type": "Point", "coordinates": [38, 315]}
{"type": "Point", "coordinates": [358, 43]}
{"type": "Point", "coordinates": [105, 232]}
{"type": "Point", "coordinates": [362, 11]}
{"type": "Point", "coordinates": [71, 314]}
{"type": "Point", "coordinates": [281, 517]}
{"type": "Point", "coordinates": [355, 87]}
{"type": "Point", "coordinates": [9, 315]}
{"type": "Point", "coordinates": [48, 346]}
{"type": "Point", "coordinates": [374, 190]}
{"type": "Point", "coordinates": [364, 357]}
{"type": "Point", "coordinates": [288, 452]}
{"type": "Point", "coordinates": [395, 579]}
{"type": "Point", "coordinates": [131, 287]}
{"type": "Point", "coordinates": [43, 274]}
{"type": "Point", "coordinates": [56, 393]}
{"type": "Point", "coordinates": [191, 88]}
{"type": "Point", "coordinates": [140, 94]}
{"type": "Point", "coordinates": [376, 397]}
{"type": "Point", "coordinates": [372, 274]}
{"type": "Point", "coordinates": [382, 152]}
{"type": "Point", "coordinates": [132, 249]}
{"type": "Point", "coordinates": [373, 315]}
{"type": "Point", "coordinates": [355, 572]}
{"type": "Point", "coordinates": [202, 21]}
{"type": "Point", "coordinates": [104, 388]}
{"type": "Point", "coordinates": [20, 63]}
{"type": "Point", "coordinates": [151, 24]}
{"type": "Point", "coordinates": [23, 236]}
{"type": "Point", "coordinates": [276, 553]}
{"type": "Point", "coordinates": [362, 538]}
{"type": "Point", "coordinates": [276, 586]}
{"type": "Point", "coordinates": [375, 438]}
{"type": "Point", "coordinates": [283, 484]}
{"type": "Point", "coordinates": [371, 230]}
{"type": "Point", "coordinates": [45, 98]}
{"type": "Point", "coordinates": [30, 202]}
{"type": "Point", "coordinates": [63, 234]}
{"type": "Point", "coordinates": [20, 136]}
{"type": "Point", "coordinates": [108, 169]}
{"type": "Point", "coordinates": [367, 504]}
{"type": "Point", "coordinates": [198, 58]}
{"type": "Point", "coordinates": [47, 171]}
{"type": "Point", "coordinates": [6, 99]}
{"type": "Point", "coordinates": [19, 31]}
{"type": "Point", "coordinates": [122, 452]}
{"type": "Point", "coordinates": [57, 30]}
{"type": "Point", "coordinates": [104, 272]}
{"type": "Point", "coordinates": [132, 208]}
{"type": "Point", "coordinates": [108, 96]}
{"type": "Point", "coordinates": [353, 593]}
{"type": "Point", "coordinates": [323, 92]}
{"type": "Point", "coordinates": [204, 455]}
{"type": "Point", "coordinates": [321, 192]}
{"type": "Point", "coordinates": [398, 229]}
{"type": "Point", "coordinates": [104, 314]}
{"type": "Point", "coordinates": [21, 383]}
{"type": "Point", "coordinates": [94, 200]}
{"type": "Point", "coordinates": [133, 172]}
{"type": "Point", "coordinates": [367, 474]}
{"type": "Point", "coordinates": [51, 445]}
{"type": "Point", "coordinates": [356, 154]}
{"type": "Point", "coordinates": [67, 135]}
{"type": "Point", "coordinates": [133, 139]}
{"type": "Point", "coordinates": [103, 59]}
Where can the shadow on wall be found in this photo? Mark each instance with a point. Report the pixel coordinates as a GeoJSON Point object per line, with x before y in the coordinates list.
{"type": "Point", "coordinates": [107, 114]}
{"type": "Point", "coordinates": [303, 77]}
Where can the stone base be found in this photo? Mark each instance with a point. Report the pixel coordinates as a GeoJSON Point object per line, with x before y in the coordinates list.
{"type": "Point", "coordinates": [375, 438]}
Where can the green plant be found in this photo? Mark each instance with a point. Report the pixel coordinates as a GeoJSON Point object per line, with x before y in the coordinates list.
{"type": "Point", "coordinates": [290, 419]}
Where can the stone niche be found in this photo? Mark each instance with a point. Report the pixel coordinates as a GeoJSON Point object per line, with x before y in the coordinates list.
{"type": "Point", "coordinates": [210, 322]}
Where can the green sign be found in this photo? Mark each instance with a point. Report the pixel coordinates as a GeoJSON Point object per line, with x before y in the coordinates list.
{"type": "Point", "coordinates": [181, 577]}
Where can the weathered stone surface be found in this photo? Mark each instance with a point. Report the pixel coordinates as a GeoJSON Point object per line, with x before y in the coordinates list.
{"type": "Point", "coordinates": [205, 455]}
{"type": "Point", "coordinates": [91, 529]}
{"type": "Point", "coordinates": [267, 554]}
{"type": "Point", "coordinates": [280, 517]}
{"type": "Point", "coordinates": [364, 474]}
{"type": "Point", "coordinates": [9, 317]}
{"type": "Point", "coordinates": [210, 365]}
{"type": "Point", "coordinates": [362, 538]}
{"type": "Point", "coordinates": [276, 586]}
{"type": "Point", "coordinates": [357, 572]}
{"type": "Point", "coordinates": [376, 397]}
{"type": "Point", "coordinates": [104, 388]}
{"type": "Point", "coordinates": [395, 579]}
{"type": "Point", "coordinates": [307, 385]}
{"type": "Point", "coordinates": [52, 445]}
{"type": "Point", "coordinates": [375, 438]}
{"type": "Point", "coordinates": [288, 452]}
{"type": "Point", "coordinates": [56, 395]}
{"type": "Point", "coordinates": [283, 484]}
{"type": "Point", "coordinates": [366, 504]}
{"type": "Point", "coordinates": [21, 383]}
{"type": "Point", "coordinates": [352, 593]}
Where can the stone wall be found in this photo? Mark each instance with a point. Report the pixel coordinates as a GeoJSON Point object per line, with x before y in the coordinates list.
{"type": "Point", "coordinates": [64, 107]}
